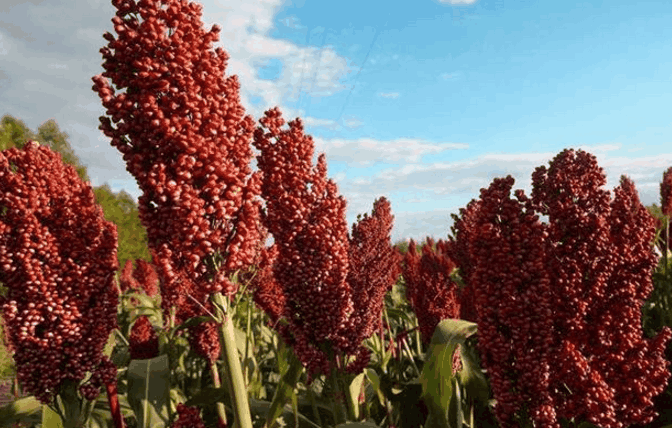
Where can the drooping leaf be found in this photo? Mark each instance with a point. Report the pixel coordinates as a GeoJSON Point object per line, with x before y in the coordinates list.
{"type": "Point", "coordinates": [27, 410]}
{"type": "Point", "coordinates": [149, 391]}
{"type": "Point", "coordinates": [437, 378]}
{"type": "Point", "coordinates": [357, 425]}
{"type": "Point", "coordinates": [50, 419]}
{"type": "Point", "coordinates": [354, 390]}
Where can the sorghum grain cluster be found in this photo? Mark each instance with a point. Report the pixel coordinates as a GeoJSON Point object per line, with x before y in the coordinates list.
{"type": "Point", "coordinates": [58, 258]}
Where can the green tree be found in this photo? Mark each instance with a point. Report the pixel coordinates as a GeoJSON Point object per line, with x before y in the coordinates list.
{"type": "Point", "coordinates": [50, 135]}
{"type": "Point", "coordinates": [121, 209]}
{"type": "Point", "coordinates": [14, 133]}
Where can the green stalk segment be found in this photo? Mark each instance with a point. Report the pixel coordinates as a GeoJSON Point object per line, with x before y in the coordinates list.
{"type": "Point", "coordinates": [234, 372]}
{"type": "Point", "coordinates": [285, 388]}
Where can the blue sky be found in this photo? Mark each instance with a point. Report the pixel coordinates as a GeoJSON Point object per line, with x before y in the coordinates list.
{"type": "Point", "coordinates": [423, 102]}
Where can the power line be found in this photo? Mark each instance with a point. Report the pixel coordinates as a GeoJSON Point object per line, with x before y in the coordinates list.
{"type": "Point", "coordinates": [317, 69]}
{"type": "Point", "coordinates": [347, 99]}
{"type": "Point", "coordinates": [358, 73]}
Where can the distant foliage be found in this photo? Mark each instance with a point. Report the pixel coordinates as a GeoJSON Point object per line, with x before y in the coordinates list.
{"type": "Point", "coordinates": [121, 209]}
{"type": "Point", "coordinates": [15, 133]}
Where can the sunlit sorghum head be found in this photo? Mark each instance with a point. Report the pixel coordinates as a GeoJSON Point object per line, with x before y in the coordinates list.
{"type": "Point", "coordinates": [328, 287]}
{"type": "Point", "coordinates": [179, 123]}
{"type": "Point", "coordinates": [306, 217]}
{"type": "Point", "coordinates": [559, 303]}
{"type": "Point", "coordinates": [58, 258]}
{"type": "Point", "coordinates": [501, 249]}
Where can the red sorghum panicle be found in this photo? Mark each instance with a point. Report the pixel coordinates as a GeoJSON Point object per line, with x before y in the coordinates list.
{"type": "Point", "coordinates": [143, 341]}
{"type": "Point", "coordinates": [328, 286]}
{"type": "Point", "coordinates": [178, 121]}
{"type": "Point", "coordinates": [433, 295]}
{"type": "Point", "coordinates": [505, 254]}
{"type": "Point", "coordinates": [146, 276]}
{"type": "Point", "coordinates": [58, 259]}
{"type": "Point", "coordinates": [204, 340]}
{"type": "Point", "coordinates": [104, 374]}
{"type": "Point", "coordinates": [666, 192]}
{"type": "Point", "coordinates": [126, 280]}
{"type": "Point", "coordinates": [603, 264]}
{"type": "Point", "coordinates": [559, 304]}
{"type": "Point", "coordinates": [306, 217]}
{"type": "Point", "coordinates": [188, 417]}
{"type": "Point", "coordinates": [268, 293]}
{"type": "Point", "coordinates": [374, 267]}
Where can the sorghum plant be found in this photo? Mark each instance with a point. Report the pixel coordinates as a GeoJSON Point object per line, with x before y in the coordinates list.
{"type": "Point", "coordinates": [189, 417]}
{"type": "Point", "coordinates": [559, 303]}
{"type": "Point", "coordinates": [373, 268]}
{"type": "Point", "coordinates": [306, 217]}
{"type": "Point", "coordinates": [322, 289]}
{"type": "Point", "coordinates": [181, 128]}
{"type": "Point", "coordinates": [505, 256]}
{"type": "Point", "coordinates": [143, 342]}
{"type": "Point", "coordinates": [143, 277]}
{"type": "Point", "coordinates": [58, 258]}
{"type": "Point", "coordinates": [328, 286]}
{"type": "Point", "coordinates": [666, 192]}
{"type": "Point", "coordinates": [432, 293]}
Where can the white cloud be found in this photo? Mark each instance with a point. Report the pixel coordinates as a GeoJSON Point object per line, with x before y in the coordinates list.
{"type": "Point", "coordinates": [352, 122]}
{"type": "Point", "coordinates": [388, 94]}
{"type": "Point", "coordinates": [368, 151]}
{"type": "Point", "coordinates": [245, 35]}
{"type": "Point", "coordinates": [3, 44]}
{"type": "Point", "coordinates": [320, 123]}
{"type": "Point", "coordinates": [424, 195]}
{"type": "Point", "coordinates": [448, 76]}
{"type": "Point", "coordinates": [458, 1]}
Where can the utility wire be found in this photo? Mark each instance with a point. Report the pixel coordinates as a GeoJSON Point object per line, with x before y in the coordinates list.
{"type": "Point", "coordinates": [347, 99]}
{"type": "Point", "coordinates": [317, 69]}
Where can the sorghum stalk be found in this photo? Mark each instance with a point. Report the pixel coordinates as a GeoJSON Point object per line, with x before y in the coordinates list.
{"type": "Point", "coordinates": [234, 372]}
{"type": "Point", "coordinates": [113, 401]}
{"type": "Point", "coordinates": [216, 382]}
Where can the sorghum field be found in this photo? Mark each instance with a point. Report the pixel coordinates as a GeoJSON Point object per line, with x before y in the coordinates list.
{"type": "Point", "coordinates": [257, 305]}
